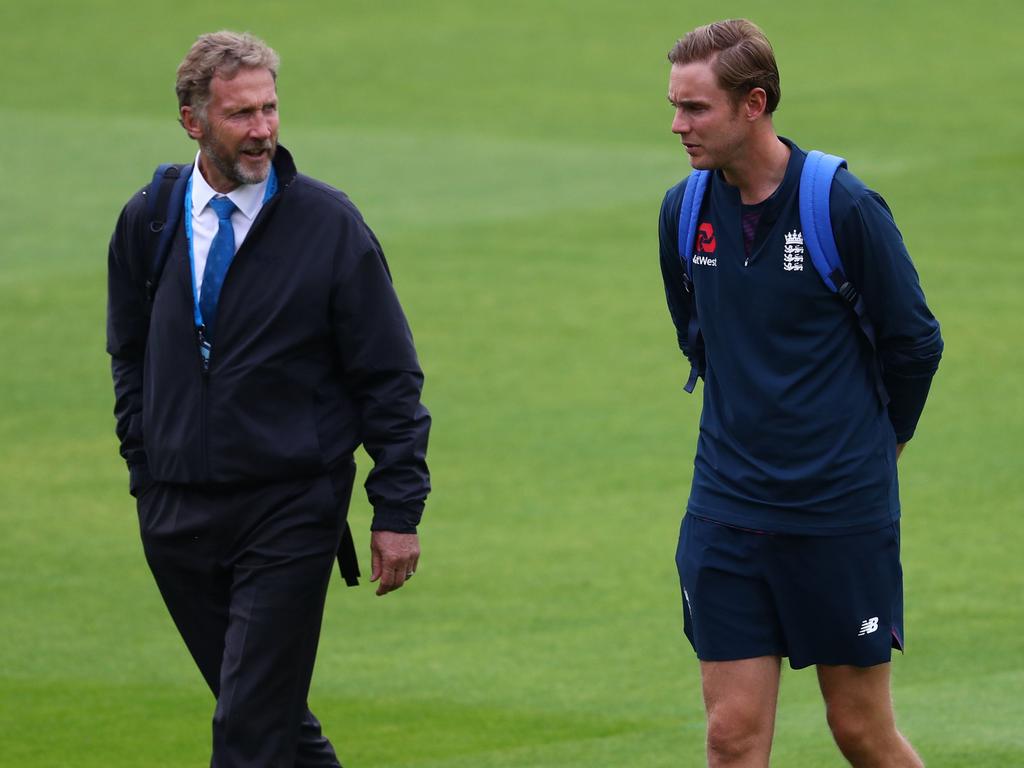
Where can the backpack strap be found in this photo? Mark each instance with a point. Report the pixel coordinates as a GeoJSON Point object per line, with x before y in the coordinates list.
{"type": "Point", "coordinates": [815, 215]}
{"type": "Point", "coordinates": [165, 201]}
{"type": "Point", "coordinates": [689, 212]}
{"type": "Point", "coordinates": [348, 561]}
{"type": "Point", "coordinates": [816, 219]}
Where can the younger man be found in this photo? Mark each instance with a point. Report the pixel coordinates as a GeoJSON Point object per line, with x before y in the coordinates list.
{"type": "Point", "coordinates": [790, 544]}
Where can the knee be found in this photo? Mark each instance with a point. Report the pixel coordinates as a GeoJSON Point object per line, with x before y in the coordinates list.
{"type": "Point", "coordinates": [735, 736]}
{"type": "Point", "coordinates": [857, 733]}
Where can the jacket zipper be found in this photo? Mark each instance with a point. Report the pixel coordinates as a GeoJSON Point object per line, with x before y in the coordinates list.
{"type": "Point", "coordinates": [204, 378]}
{"type": "Point", "coordinates": [206, 350]}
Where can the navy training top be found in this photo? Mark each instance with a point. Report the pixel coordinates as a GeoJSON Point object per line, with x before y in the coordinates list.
{"type": "Point", "coordinates": [793, 437]}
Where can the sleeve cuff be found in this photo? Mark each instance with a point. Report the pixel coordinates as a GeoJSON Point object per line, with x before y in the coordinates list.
{"type": "Point", "coordinates": [907, 398]}
{"type": "Point", "coordinates": [395, 519]}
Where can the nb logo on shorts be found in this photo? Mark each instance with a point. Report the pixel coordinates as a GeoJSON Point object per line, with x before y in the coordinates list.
{"type": "Point", "coordinates": [868, 626]}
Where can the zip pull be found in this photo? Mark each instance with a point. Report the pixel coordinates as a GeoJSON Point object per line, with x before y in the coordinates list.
{"type": "Point", "coordinates": [746, 262]}
{"type": "Point", "coordinates": [204, 349]}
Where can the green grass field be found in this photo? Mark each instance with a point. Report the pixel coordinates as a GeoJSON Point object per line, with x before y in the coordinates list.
{"type": "Point", "coordinates": [512, 158]}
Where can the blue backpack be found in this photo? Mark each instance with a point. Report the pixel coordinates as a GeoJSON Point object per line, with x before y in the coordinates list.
{"type": "Point", "coordinates": [816, 222]}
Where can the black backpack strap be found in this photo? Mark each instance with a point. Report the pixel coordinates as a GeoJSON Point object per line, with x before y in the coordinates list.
{"type": "Point", "coordinates": [342, 477]}
{"type": "Point", "coordinates": [165, 196]}
{"type": "Point", "coordinates": [348, 561]}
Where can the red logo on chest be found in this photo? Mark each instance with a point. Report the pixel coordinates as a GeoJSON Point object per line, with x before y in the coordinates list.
{"type": "Point", "coordinates": [705, 238]}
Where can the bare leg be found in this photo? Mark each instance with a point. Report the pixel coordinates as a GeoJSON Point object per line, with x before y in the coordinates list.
{"type": "Point", "coordinates": [740, 698]}
{"type": "Point", "coordinates": [859, 709]}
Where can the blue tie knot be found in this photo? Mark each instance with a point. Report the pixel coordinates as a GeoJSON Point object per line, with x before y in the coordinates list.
{"type": "Point", "coordinates": [223, 207]}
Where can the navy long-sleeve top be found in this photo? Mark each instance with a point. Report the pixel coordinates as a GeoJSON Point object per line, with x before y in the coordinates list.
{"type": "Point", "coordinates": [793, 435]}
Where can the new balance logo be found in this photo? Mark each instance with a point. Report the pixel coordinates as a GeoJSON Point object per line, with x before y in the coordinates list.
{"type": "Point", "coordinates": [868, 626]}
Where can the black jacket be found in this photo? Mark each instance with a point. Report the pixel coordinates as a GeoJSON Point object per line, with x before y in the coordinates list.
{"type": "Point", "coordinates": [313, 356]}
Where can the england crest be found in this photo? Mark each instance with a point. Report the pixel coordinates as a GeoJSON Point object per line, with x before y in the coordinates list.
{"type": "Point", "coordinates": [793, 252]}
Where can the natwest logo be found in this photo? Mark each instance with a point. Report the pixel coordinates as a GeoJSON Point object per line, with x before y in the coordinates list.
{"type": "Point", "coordinates": [706, 238]}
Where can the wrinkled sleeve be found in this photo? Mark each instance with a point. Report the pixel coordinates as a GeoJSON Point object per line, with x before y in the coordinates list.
{"type": "Point", "coordinates": [909, 342]}
{"type": "Point", "coordinates": [383, 375]}
{"type": "Point", "coordinates": [127, 328]}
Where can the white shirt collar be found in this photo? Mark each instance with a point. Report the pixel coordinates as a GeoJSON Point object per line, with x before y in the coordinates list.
{"type": "Point", "coordinates": [248, 197]}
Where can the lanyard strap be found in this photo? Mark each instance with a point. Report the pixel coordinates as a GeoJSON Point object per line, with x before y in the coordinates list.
{"type": "Point", "coordinates": [197, 314]}
{"type": "Point", "coordinates": [271, 189]}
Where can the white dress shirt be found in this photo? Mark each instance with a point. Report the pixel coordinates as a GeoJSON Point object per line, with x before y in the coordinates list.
{"type": "Point", "coordinates": [248, 198]}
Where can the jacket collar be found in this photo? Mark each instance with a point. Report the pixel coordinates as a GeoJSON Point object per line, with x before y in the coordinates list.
{"type": "Point", "coordinates": [284, 166]}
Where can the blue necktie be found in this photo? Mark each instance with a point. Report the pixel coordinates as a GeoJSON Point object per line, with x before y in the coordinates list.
{"type": "Point", "coordinates": [222, 251]}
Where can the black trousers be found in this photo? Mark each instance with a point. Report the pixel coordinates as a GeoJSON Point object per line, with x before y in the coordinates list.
{"type": "Point", "coordinates": [244, 573]}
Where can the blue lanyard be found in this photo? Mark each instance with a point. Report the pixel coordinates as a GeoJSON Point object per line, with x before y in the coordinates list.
{"type": "Point", "coordinates": [196, 312]}
{"type": "Point", "coordinates": [204, 344]}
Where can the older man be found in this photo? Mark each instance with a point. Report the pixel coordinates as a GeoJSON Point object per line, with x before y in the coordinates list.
{"type": "Point", "coordinates": [246, 373]}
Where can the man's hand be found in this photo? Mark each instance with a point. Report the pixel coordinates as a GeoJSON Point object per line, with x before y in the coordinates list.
{"type": "Point", "coordinates": [899, 449]}
{"type": "Point", "coordinates": [393, 558]}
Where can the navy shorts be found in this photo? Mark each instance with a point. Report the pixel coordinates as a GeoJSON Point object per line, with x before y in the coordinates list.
{"type": "Point", "coordinates": [815, 599]}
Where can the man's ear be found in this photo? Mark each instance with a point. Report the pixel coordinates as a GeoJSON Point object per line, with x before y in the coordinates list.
{"type": "Point", "coordinates": [192, 124]}
{"type": "Point", "coordinates": [755, 103]}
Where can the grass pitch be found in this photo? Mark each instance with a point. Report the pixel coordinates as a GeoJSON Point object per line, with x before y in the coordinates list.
{"type": "Point", "coordinates": [512, 158]}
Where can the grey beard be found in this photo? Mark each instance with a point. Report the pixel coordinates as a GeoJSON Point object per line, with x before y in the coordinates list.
{"type": "Point", "coordinates": [234, 170]}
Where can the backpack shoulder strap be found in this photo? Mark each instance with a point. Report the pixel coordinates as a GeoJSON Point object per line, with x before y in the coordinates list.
{"type": "Point", "coordinates": [816, 220]}
{"type": "Point", "coordinates": [689, 212]}
{"type": "Point", "coordinates": [815, 193]}
{"type": "Point", "coordinates": [165, 200]}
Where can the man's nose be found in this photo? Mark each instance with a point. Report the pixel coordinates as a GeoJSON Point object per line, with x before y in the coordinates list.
{"type": "Point", "coordinates": [680, 124]}
{"type": "Point", "coordinates": [260, 128]}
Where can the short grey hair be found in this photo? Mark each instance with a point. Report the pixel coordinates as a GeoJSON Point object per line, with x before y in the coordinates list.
{"type": "Point", "coordinates": [219, 53]}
